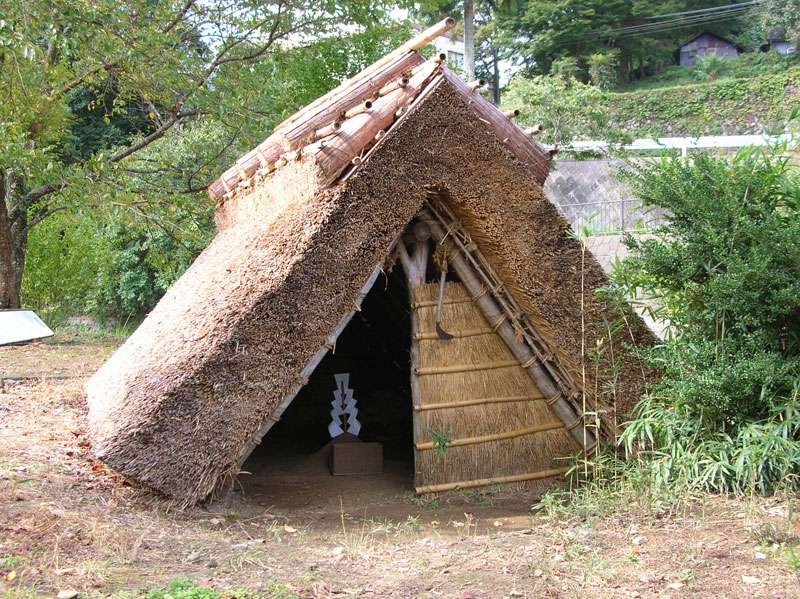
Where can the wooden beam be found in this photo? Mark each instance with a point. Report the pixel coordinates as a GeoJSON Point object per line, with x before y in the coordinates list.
{"type": "Point", "coordinates": [483, 482]}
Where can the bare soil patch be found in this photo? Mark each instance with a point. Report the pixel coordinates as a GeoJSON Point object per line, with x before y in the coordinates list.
{"type": "Point", "coordinates": [68, 523]}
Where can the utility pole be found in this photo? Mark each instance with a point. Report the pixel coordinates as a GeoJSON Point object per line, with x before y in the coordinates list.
{"type": "Point", "coordinates": [469, 39]}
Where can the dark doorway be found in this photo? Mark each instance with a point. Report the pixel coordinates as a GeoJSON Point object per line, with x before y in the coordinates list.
{"type": "Point", "coordinates": [374, 349]}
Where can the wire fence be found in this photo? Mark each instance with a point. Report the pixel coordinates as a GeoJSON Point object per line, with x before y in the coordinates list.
{"type": "Point", "coordinates": [612, 216]}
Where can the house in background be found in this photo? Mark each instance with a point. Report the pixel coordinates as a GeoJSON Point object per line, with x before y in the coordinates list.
{"type": "Point", "coordinates": [777, 40]}
{"type": "Point", "coordinates": [451, 45]}
{"type": "Point", "coordinates": [706, 44]}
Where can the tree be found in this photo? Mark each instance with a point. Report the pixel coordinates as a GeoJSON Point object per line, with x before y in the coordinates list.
{"type": "Point", "coordinates": [567, 108]}
{"type": "Point", "coordinates": [783, 14]}
{"type": "Point", "coordinates": [544, 31]}
{"type": "Point", "coordinates": [169, 64]}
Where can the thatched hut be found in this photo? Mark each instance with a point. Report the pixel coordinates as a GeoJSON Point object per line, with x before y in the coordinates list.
{"type": "Point", "coordinates": [404, 166]}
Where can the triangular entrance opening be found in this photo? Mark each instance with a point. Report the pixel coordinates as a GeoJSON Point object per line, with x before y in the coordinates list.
{"type": "Point", "coordinates": [374, 350]}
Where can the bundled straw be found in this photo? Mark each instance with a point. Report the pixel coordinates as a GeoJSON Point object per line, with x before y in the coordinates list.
{"type": "Point", "coordinates": [470, 368]}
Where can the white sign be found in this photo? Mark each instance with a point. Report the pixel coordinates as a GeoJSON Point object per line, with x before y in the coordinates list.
{"type": "Point", "coordinates": [21, 325]}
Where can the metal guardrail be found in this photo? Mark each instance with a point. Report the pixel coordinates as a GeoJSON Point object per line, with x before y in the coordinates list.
{"type": "Point", "coordinates": [684, 144]}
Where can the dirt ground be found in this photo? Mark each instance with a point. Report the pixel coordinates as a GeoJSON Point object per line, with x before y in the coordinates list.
{"type": "Point", "coordinates": [290, 529]}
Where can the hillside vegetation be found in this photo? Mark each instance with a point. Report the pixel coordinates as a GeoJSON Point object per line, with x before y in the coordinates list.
{"type": "Point", "coordinates": [750, 94]}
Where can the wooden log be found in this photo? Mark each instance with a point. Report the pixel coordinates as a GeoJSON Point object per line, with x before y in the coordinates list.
{"type": "Point", "coordinates": [466, 367]}
{"type": "Point", "coordinates": [494, 314]}
{"type": "Point", "coordinates": [484, 482]}
{"type": "Point", "coordinates": [414, 267]}
{"type": "Point", "coordinates": [476, 402]}
{"type": "Point", "coordinates": [525, 149]}
{"type": "Point", "coordinates": [520, 432]}
{"type": "Point", "coordinates": [358, 132]}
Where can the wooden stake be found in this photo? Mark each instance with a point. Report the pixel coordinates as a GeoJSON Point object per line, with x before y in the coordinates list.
{"type": "Point", "coordinates": [328, 130]}
{"type": "Point", "coordinates": [535, 130]}
{"type": "Point", "coordinates": [483, 482]}
{"type": "Point", "coordinates": [363, 107]}
{"type": "Point", "coordinates": [511, 114]}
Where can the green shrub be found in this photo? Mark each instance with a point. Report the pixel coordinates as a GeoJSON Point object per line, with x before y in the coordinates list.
{"type": "Point", "coordinates": [726, 271]}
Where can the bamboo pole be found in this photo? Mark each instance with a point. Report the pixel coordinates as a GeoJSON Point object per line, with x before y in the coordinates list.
{"type": "Point", "coordinates": [520, 432]}
{"type": "Point", "coordinates": [466, 367]}
{"type": "Point", "coordinates": [363, 107]}
{"type": "Point", "coordinates": [494, 314]}
{"type": "Point", "coordinates": [445, 301]}
{"type": "Point", "coordinates": [476, 402]}
{"type": "Point", "coordinates": [487, 273]}
{"type": "Point", "coordinates": [498, 480]}
{"type": "Point", "coordinates": [433, 335]}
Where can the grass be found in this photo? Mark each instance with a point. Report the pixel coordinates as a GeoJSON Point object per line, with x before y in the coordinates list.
{"type": "Point", "coordinates": [187, 588]}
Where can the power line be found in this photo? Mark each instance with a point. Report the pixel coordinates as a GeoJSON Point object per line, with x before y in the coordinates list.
{"type": "Point", "coordinates": [713, 8]}
{"type": "Point", "coordinates": [649, 28]}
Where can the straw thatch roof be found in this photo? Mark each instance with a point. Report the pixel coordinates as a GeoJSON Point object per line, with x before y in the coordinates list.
{"type": "Point", "coordinates": [302, 230]}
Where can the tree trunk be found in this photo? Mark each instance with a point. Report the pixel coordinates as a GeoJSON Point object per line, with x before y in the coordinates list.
{"type": "Point", "coordinates": [496, 66]}
{"type": "Point", "coordinates": [13, 238]}
{"type": "Point", "coordinates": [469, 40]}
